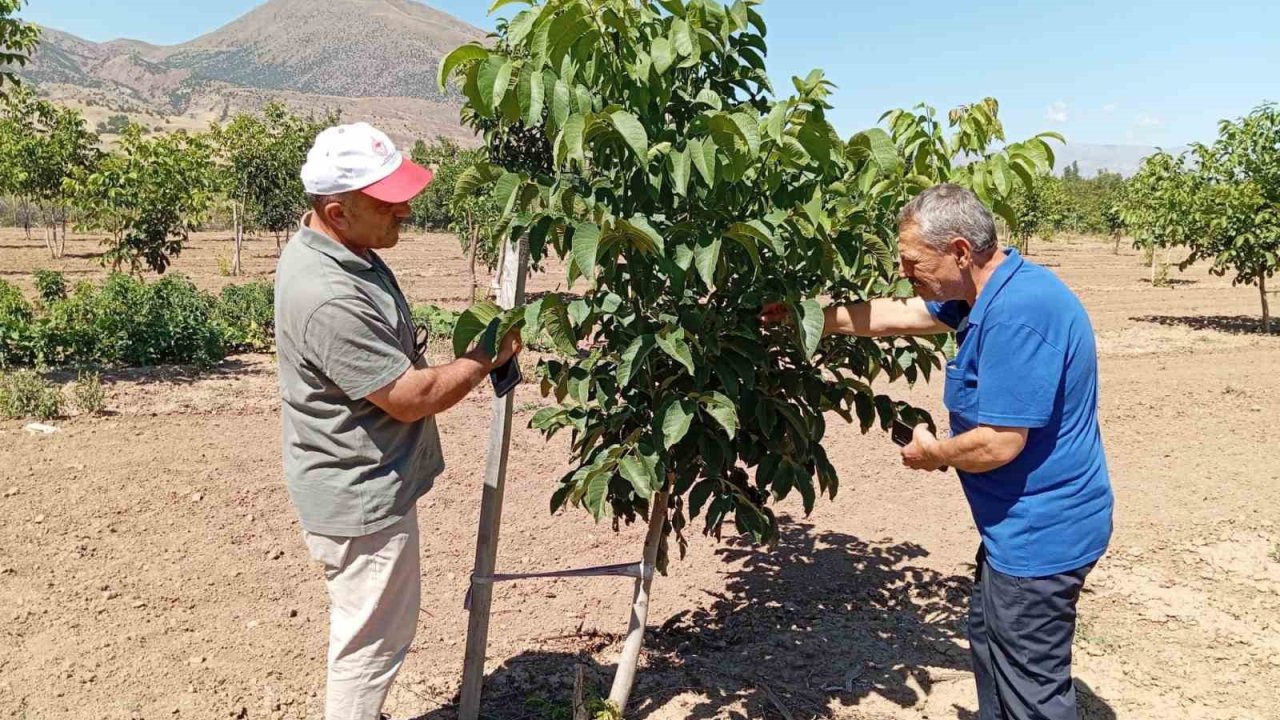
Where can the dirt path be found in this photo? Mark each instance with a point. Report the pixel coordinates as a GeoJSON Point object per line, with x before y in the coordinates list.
{"type": "Point", "coordinates": [151, 566]}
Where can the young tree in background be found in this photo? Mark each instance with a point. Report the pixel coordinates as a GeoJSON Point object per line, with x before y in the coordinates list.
{"type": "Point", "coordinates": [148, 195]}
{"type": "Point", "coordinates": [1242, 203]}
{"type": "Point", "coordinates": [43, 145]}
{"type": "Point", "coordinates": [259, 157]}
{"type": "Point", "coordinates": [18, 41]}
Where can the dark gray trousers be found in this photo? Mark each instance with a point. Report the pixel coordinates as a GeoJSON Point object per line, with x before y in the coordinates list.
{"type": "Point", "coordinates": [1020, 635]}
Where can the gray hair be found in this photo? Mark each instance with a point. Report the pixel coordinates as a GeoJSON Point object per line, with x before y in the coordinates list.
{"type": "Point", "coordinates": [948, 211]}
{"type": "Point", "coordinates": [318, 202]}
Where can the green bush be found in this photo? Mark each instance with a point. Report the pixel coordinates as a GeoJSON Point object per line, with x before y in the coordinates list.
{"type": "Point", "coordinates": [51, 285]}
{"type": "Point", "coordinates": [439, 321]}
{"type": "Point", "coordinates": [15, 327]}
{"type": "Point", "coordinates": [126, 321]}
{"type": "Point", "coordinates": [129, 322]}
{"type": "Point", "coordinates": [246, 316]}
{"type": "Point", "coordinates": [25, 394]}
{"type": "Point", "coordinates": [88, 395]}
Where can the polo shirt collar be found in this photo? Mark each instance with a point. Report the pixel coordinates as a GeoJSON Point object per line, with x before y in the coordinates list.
{"type": "Point", "coordinates": [322, 243]}
{"type": "Point", "coordinates": [999, 279]}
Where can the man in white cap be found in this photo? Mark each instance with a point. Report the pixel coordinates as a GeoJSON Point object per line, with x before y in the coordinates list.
{"type": "Point", "coordinates": [359, 402]}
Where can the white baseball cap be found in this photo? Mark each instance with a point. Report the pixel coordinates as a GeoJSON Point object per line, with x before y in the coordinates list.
{"type": "Point", "coordinates": [362, 157]}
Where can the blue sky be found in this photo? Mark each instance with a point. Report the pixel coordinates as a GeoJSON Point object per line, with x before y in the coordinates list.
{"type": "Point", "coordinates": [1124, 72]}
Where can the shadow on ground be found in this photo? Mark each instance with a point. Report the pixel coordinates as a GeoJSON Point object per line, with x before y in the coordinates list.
{"type": "Point", "coordinates": [820, 622]}
{"type": "Point", "coordinates": [1235, 324]}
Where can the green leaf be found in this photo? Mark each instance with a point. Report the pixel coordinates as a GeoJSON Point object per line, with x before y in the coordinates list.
{"type": "Point", "coordinates": [675, 419]}
{"type": "Point", "coordinates": [672, 341]}
{"type": "Point", "coordinates": [723, 411]}
{"type": "Point", "coordinates": [572, 135]}
{"type": "Point", "coordinates": [642, 472]}
{"type": "Point", "coordinates": [633, 358]}
{"type": "Point", "coordinates": [811, 321]}
{"type": "Point", "coordinates": [632, 132]}
{"type": "Point", "coordinates": [597, 492]}
{"type": "Point", "coordinates": [497, 4]}
{"type": "Point", "coordinates": [471, 324]}
{"type": "Point", "coordinates": [706, 257]}
{"type": "Point", "coordinates": [504, 191]}
{"type": "Point", "coordinates": [880, 149]}
{"type": "Point", "coordinates": [519, 27]}
{"type": "Point", "coordinates": [682, 38]}
{"type": "Point", "coordinates": [586, 248]}
{"type": "Point", "coordinates": [560, 99]}
{"type": "Point", "coordinates": [749, 128]}
{"type": "Point", "coordinates": [554, 319]}
{"type": "Point", "coordinates": [487, 82]}
{"type": "Point", "coordinates": [704, 158]}
{"type": "Point", "coordinates": [679, 162]}
{"type": "Point", "coordinates": [663, 55]}
{"type": "Point", "coordinates": [531, 93]}
{"type": "Point", "coordinates": [501, 82]}
{"type": "Point", "coordinates": [460, 55]}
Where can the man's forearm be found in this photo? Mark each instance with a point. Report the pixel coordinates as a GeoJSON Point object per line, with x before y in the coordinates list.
{"type": "Point", "coordinates": [981, 449]}
{"type": "Point", "coordinates": [430, 391]}
{"type": "Point", "coordinates": [882, 317]}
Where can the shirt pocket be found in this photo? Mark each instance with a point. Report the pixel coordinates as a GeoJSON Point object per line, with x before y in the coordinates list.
{"type": "Point", "coordinates": [961, 393]}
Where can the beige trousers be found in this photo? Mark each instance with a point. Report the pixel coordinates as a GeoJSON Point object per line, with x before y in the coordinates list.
{"type": "Point", "coordinates": [375, 591]}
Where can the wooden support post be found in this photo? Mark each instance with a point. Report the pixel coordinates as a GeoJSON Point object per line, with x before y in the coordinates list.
{"type": "Point", "coordinates": [510, 294]}
{"type": "Point", "coordinates": [625, 678]}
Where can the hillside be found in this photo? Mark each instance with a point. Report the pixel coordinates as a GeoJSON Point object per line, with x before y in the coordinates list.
{"type": "Point", "coordinates": [372, 59]}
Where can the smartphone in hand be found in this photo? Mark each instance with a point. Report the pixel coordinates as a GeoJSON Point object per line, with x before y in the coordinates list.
{"type": "Point", "coordinates": [506, 378]}
{"type": "Point", "coordinates": [903, 434]}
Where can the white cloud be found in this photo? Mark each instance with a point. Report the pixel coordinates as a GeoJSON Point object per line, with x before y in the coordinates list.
{"type": "Point", "coordinates": [1110, 108]}
{"type": "Point", "coordinates": [1057, 112]}
{"type": "Point", "coordinates": [1147, 121]}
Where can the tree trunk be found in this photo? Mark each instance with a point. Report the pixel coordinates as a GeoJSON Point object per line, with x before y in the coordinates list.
{"type": "Point", "coordinates": [626, 675]}
{"type": "Point", "coordinates": [475, 243]}
{"type": "Point", "coordinates": [26, 217]}
{"type": "Point", "coordinates": [51, 239]}
{"type": "Point", "coordinates": [1266, 309]}
{"type": "Point", "coordinates": [1153, 266]}
{"type": "Point", "coordinates": [1116, 251]}
{"type": "Point", "coordinates": [237, 218]}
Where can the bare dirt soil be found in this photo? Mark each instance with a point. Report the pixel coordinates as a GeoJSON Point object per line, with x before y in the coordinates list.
{"type": "Point", "coordinates": [152, 567]}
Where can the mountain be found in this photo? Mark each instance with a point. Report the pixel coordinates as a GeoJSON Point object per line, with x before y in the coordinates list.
{"type": "Point", "coordinates": [1123, 159]}
{"type": "Point", "coordinates": [374, 60]}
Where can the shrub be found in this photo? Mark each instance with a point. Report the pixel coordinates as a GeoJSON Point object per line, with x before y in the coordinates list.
{"type": "Point", "coordinates": [51, 285]}
{"type": "Point", "coordinates": [15, 327]}
{"type": "Point", "coordinates": [88, 395]}
{"type": "Point", "coordinates": [246, 317]}
{"type": "Point", "coordinates": [129, 322]}
{"type": "Point", "coordinates": [26, 394]}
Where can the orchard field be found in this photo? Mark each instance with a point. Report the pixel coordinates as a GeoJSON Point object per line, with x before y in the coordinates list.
{"type": "Point", "coordinates": [151, 565]}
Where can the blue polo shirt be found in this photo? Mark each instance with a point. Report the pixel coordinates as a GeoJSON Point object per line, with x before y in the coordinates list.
{"type": "Point", "coordinates": [1027, 359]}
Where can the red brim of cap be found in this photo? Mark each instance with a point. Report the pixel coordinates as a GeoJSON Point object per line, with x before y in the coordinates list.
{"type": "Point", "coordinates": [402, 185]}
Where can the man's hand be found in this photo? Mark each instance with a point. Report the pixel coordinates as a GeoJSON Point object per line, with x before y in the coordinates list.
{"type": "Point", "coordinates": [922, 453]}
{"type": "Point", "coordinates": [511, 346]}
{"type": "Point", "coordinates": [776, 314]}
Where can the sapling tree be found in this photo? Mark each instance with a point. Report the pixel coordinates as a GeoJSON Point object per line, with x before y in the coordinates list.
{"type": "Point", "coordinates": [1242, 203]}
{"type": "Point", "coordinates": [641, 142]}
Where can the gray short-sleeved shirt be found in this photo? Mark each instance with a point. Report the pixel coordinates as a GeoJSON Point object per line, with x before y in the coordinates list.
{"type": "Point", "coordinates": [344, 330]}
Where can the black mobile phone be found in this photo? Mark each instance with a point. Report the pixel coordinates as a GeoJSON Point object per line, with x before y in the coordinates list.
{"type": "Point", "coordinates": [506, 378]}
{"type": "Point", "coordinates": [902, 433]}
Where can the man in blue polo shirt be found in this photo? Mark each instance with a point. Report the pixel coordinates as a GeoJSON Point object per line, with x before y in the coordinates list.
{"type": "Point", "coordinates": [1022, 393]}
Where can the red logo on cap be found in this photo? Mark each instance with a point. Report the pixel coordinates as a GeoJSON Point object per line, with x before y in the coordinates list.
{"type": "Point", "coordinates": [380, 148]}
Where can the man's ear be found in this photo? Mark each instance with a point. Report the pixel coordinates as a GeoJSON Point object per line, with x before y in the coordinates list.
{"type": "Point", "coordinates": [962, 251]}
{"type": "Point", "coordinates": [334, 214]}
